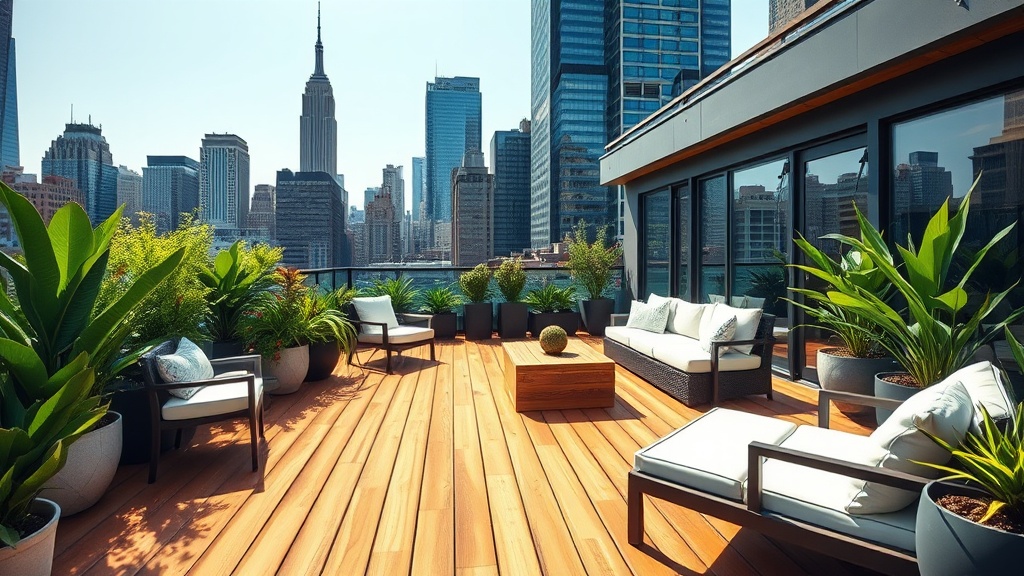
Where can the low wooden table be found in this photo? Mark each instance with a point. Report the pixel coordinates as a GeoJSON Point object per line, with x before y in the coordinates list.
{"type": "Point", "coordinates": [580, 377]}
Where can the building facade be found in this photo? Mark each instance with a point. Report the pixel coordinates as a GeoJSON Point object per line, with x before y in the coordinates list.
{"type": "Point", "coordinates": [510, 165]}
{"type": "Point", "coordinates": [129, 192]}
{"type": "Point", "coordinates": [310, 220]}
{"type": "Point", "coordinates": [419, 186]}
{"type": "Point", "coordinates": [393, 184]}
{"type": "Point", "coordinates": [318, 128]}
{"type": "Point", "coordinates": [47, 196]}
{"type": "Point", "coordinates": [170, 188]}
{"type": "Point", "coordinates": [453, 128]}
{"type": "Point", "coordinates": [782, 12]}
{"type": "Point", "coordinates": [10, 153]}
{"type": "Point", "coordinates": [472, 212]}
{"type": "Point", "coordinates": [224, 180]}
{"type": "Point", "coordinates": [82, 155]}
{"type": "Point", "coordinates": [262, 211]}
{"type": "Point", "coordinates": [382, 231]}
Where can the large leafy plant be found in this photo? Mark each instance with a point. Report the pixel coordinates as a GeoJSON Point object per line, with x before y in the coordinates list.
{"type": "Point", "coordinates": [938, 335]}
{"type": "Point", "coordinates": [440, 300]}
{"type": "Point", "coordinates": [551, 298]}
{"type": "Point", "coordinates": [279, 318]}
{"type": "Point", "coordinates": [476, 283]}
{"type": "Point", "coordinates": [236, 278]}
{"type": "Point", "coordinates": [592, 263]}
{"type": "Point", "coordinates": [403, 295]}
{"type": "Point", "coordinates": [326, 321]}
{"type": "Point", "coordinates": [511, 279]}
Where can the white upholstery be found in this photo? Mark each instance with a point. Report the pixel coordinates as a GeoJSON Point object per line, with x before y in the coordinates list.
{"type": "Point", "coordinates": [691, 358]}
{"type": "Point", "coordinates": [706, 318]}
{"type": "Point", "coordinates": [398, 335]}
{"type": "Point", "coordinates": [211, 400]}
{"type": "Point", "coordinates": [687, 319]}
{"type": "Point", "coordinates": [652, 317]}
{"type": "Point", "coordinates": [375, 309]}
{"type": "Point", "coordinates": [747, 320]}
{"type": "Point", "coordinates": [710, 453]}
{"type": "Point", "coordinates": [984, 384]}
{"type": "Point", "coordinates": [644, 342]}
{"type": "Point", "coordinates": [619, 333]}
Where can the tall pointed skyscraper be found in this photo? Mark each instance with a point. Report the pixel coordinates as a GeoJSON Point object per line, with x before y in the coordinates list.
{"type": "Point", "coordinates": [318, 130]}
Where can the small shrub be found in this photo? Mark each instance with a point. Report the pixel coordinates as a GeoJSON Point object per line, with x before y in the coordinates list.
{"type": "Point", "coordinates": [476, 283]}
{"type": "Point", "coordinates": [511, 279]}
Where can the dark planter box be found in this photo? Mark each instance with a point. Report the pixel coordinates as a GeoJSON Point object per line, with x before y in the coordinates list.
{"type": "Point", "coordinates": [597, 314]}
{"type": "Point", "coordinates": [569, 321]}
{"type": "Point", "coordinates": [513, 318]}
{"type": "Point", "coordinates": [323, 359]}
{"type": "Point", "coordinates": [132, 401]}
{"type": "Point", "coordinates": [478, 321]}
{"type": "Point", "coordinates": [226, 349]}
{"type": "Point", "coordinates": [445, 325]}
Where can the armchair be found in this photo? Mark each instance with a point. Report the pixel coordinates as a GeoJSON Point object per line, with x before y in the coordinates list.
{"type": "Point", "coordinates": [377, 326]}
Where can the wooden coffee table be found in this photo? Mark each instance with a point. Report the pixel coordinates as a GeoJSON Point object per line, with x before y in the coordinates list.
{"type": "Point", "coordinates": [580, 377]}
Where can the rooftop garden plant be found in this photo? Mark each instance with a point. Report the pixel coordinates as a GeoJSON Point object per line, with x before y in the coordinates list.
{"type": "Point", "coordinates": [235, 278]}
{"type": "Point", "coordinates": [551, 298]}
{"type": "Point", "coordinates": [592, 263]}
{"type": "Point", "coordinates": [476, 284]}
{"type": "Point", "coordinates": [440, 300]}
{"type": "Point", "coordinates": [511, 279]}
{"type": "Point", "coordinates": [403, 295]}
{"type": "Point", "coordinates": [326, 321]}
{"type": "Point", "coordinates": [277, 319]}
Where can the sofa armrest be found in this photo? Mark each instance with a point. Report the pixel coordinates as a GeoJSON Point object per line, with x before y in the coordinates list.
{"type": "Point", "coordinates": [619, 319]}
{"type": "Point", "coordinates": [715, 345]}
{"type": "Point", "coordinates": [826, 396]}
{"type": "Point", "coordinates": [758, 452]}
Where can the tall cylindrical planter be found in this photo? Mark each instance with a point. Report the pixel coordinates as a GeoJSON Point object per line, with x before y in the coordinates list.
{"type": "Point", "coordinates": [512, 319]}
{"type": "Point", "coordinates": [850, 374]}
{"type": "Point", "coordinates": [948, 544]}
{"type": "Point", "coordinates": [886, 389]}
{"type": "Point", "coordinates": [34, 554]}
{"type": "Point", "coordinates": [445, 325]}
{"type": "Point", "coordinates": [323, 359]}
{"type": "Point", "coordinates": [478, 320]}
{"type": "Point", "coordinates": [289, 370]}
{"type": "Point", "coordinates": [597, 314]}
{"type": "Point", "coordinates": [90, 467]}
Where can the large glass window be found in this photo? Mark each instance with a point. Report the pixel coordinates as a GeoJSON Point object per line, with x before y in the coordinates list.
{"type": "Point", "coordinates": [684, 231]}
{"type": "Point", "coordinates": [656, 242]}
{"type": "Point", "coordinates": [712, 238]}
{"type": "Point", "coordinates": [760, 236]}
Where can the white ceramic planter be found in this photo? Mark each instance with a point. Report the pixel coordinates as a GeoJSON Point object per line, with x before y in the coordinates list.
{"type": "Point", "coordinates": [92, 462]}
{"type": "Point", "coordinates": [290, 370]}
{"type": "Point", "coordinates": [34, 554]}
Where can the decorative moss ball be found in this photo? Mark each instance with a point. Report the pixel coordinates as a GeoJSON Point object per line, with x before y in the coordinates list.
{"type": "Point", "coordinates": [553, 340]}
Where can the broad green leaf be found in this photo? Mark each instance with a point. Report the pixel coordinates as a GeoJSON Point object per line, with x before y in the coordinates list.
{"type": "Point", "coordinates": [71, 237]}
{"type": "Point", "coordinates": [25, 365]}
{"type": "Point", "coordinates": [39, 257]}
{"type": "Point", "coordinates": [77, 305]}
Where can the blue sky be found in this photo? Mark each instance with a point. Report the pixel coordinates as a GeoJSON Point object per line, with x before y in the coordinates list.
{"type": "Point", "coordinates": [161, 73]}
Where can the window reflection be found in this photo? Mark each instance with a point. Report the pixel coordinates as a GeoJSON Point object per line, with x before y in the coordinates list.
{"type": "Point", "coordinates": [712, 238]}
{"type": "Point", "coordinates": [656, 242]}
{"type": "Point", "coordinates": [683, 231]}
{"type": "Point", "coordinates": [760, 236]}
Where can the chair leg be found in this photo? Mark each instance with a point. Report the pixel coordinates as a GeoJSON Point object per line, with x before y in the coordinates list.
{"type": "Point", "coordinates": [388, 365]}
{"type": "Point", "coordinates": [770, 394]}
{"type": "Point", "coordinates": [253, 440]}
{"type": "Point", "coordinates": [177, 439]}
{"type": "Point", "coordinates": [431, 350]}
{"type": "Point", "coordinates": [634, 512]}
{"type": "Point", "coordinates": [263, 425]}
{"type": "Point", "coordinates": [154, 452]}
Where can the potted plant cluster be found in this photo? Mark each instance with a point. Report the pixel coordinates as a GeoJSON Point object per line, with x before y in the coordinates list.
{"type": "Point", "coordinates": [512, 314]}
{"type": "Point", "coordinates": [329, 332]}
{"type": "Point", "coordinates": [552, 306]}
{"type": "Point", "coordinates": [277, 329]}
{"type": "Point", "coordinates": [592, 265]}
{"type": "Point", "coordinates": [478, 313]}
{"type": "Point", "coordinates": [440, 302]}
{"type": "Point", "coordinates": [403, 296]}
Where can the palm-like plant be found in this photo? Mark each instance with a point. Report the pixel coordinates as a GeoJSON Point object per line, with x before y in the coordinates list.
{"type": "Point", "coordinates": [440, 300]}
{"type": "Point", "coordinates": [403, 295]}
{"type": "Point", "coordinates": [551, 298]}
{"type": "Point", "coordinates": [325, 321]}
{"type": "Point", "coordinates": [238, 275]}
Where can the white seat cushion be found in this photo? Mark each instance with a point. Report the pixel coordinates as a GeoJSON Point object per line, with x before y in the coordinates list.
{"type": "Point", "coordinates": [710, 453]}
{"type": "Point", "coordinates": [747, 320]}
{"type": "Point", "coordinates": [211, 400]}
{"type": "Point", "coordinates": [399, 335]}
{"type": "Point", "coordinates": [618, 333]}
{"type": "Point", "coordinates": [375, 309]}
{"type": "Point", "coordinates": [644, 342]}
{"type": "Point", "coordinates": [691, 358]}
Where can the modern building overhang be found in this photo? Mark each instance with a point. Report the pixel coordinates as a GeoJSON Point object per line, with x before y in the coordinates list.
{"type": "Point", "coordinates": [835, 49]}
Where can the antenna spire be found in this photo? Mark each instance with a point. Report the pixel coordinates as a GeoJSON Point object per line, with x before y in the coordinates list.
{"type": "Point", "coordinates": [319, 69]}
{"type": "Point", "coordinates": [318, 22]}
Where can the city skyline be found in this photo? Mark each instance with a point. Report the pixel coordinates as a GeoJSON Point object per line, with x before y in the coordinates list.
{"type": "Point", "coordinates": [170, 93]}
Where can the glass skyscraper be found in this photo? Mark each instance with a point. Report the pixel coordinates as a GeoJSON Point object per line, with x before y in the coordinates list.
{"type": "Point", "coordinates": [453, 128]}
{"type": "Point", "coordinates": [224, 181]}
{"type": "Point", "coordinates": [170, 187]}
{"type": "Point", "coordinates": [510, 163]}
{"type": "Point", "coordinates": [10, 154]}
{"type": "Point", "coordinates": [83, 155]}
{"type": "Point", "coordinates": [419, 184]}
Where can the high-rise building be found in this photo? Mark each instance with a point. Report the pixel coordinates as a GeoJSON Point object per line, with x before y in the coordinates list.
{"type": "Point", "coordinates": [393, 183]}
{"type": "Point", "coordinates": [262, 211]}
{"type": "Point", "coordinates": [419, 185]}
{"type": "Point", "coordinates": [224, 180]}
{"type": "Point", "coordinates": [47, 196]}
{"type": "Point", "coordinates": [129, 192]}
{"type": "Point", "coordinates": [598, 69]}
{"type": "Point", "coordinates": [781, 12]}
{"type": "Point", "coordinates": [10, 154]}
{"type": "Point", "coordinates": [369, 194]}
{"type": "Point", "coordinates": [310, 219]}
{"type": "Point", "coordinates": [510, 164]}
{"type": "Point", "coordinates": [82, 155]}
{"type": "Point", "coordinates": [453, 128]}
{"type": "Point", "coordinates": [472, 211]}
{"type": "Point", "coordinates": [318, 129]}
{"type": "Point", "coordinates": [170, 187]}
{"type": "Point", "coordinates": [383, 241]}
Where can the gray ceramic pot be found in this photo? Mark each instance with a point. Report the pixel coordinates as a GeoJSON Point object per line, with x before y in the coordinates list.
{"type": "Point", "coordinates": [849, 374]}
{"type": "Point", "coordinates": [885, 389]}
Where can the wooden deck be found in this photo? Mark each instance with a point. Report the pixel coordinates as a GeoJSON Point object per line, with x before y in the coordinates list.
{"type": "Point", "coordinates": [429, 471]}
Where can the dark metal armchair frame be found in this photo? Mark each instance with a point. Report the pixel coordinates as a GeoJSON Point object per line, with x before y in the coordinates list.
{"type": "Point", "coordinates": [385, 343]}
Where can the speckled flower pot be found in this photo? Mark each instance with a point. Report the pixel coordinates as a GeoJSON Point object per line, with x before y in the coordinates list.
{"type": "Point", "coordinates": [289, 370]}
{"type": "Point", "coordinates": [90, 467]}
{"type": "Point", "coordinates": [34, 554]}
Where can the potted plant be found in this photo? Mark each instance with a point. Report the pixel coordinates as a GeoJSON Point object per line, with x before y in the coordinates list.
{"type": "Point", "coordinates": [403, 295]}
{"type": "Point", "coordinates": [478, 313]}
{"type": "Point", "coordinates": [277, 329]}
{"type": "Point", "coordinates": [591, 265]}
{"type": "Point", "coordinates": [552, 306]}
{"type": "Point", "coordinates": [933, 339]}
{"type": "Point", "coordinates": [977, 527]}
{"type": "Point", "coordinates": [330, 333]}
{"type": "Point", "coordinates": [441, 302]}
{"type": "Point", "coordinates": [512, 314]}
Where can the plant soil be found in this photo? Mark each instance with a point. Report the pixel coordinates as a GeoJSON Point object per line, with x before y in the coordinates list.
{"type": "Point", "coordinates": [106, 420]}
{"type": "Point", "coordinates": [30, 524]}
{"type": "Point", "coordinates": [974, 509]}
{"type": "Point", "coordinates": [901, 380]}
{"type": "Point", "coordinates": [844, 352]}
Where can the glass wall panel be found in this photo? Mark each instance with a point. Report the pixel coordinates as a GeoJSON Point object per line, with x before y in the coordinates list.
{"type": "Point", "coordinates": [684, 231]}
{"type": "Point", "coordinates": [760, 236]}
{"type": "Point", "coordinates": [655, 242]}
{"type": "Point", "coordinates": [712, 238]}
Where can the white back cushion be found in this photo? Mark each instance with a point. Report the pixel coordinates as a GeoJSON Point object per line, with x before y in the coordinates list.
{"type": "Point", "coordinates": [375, 309]}
{"type": "Point", "coordinates": [706, 318]}
{"type": "Point", "coordinates": [984, 383]}
{"type": "Point", "coordinates": [747, 320]}
{"type": "Point", "coordinates": [687, 320]}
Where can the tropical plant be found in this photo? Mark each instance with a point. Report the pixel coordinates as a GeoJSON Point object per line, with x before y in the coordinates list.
{"type": "Point", "coordinates": [592, 263]}
{"type": "Point", "coordinates": [770, 283]}
{"type": "Point", "coordinates": [277, 319]}
{"type": "Point", "coordinates": [326, 321]}
{"type": "Point", "coordinates": [511, 279]}
{"type": "Point", "coordinates": [933, 341]}
{"type": "Point", "coordinates": [237, 276]}
{"type": "Point", "coordinates": [551, 298]}
{"type": "Point", "coordinates": [476, 283]}
{"type": "Point", "coordinates": [440, 300]}
{"type": "Point", "coordinates": [403, 295]}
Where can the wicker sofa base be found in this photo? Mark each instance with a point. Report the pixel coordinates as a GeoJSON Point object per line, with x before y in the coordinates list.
{"type": "Point", "coordinates": [693, 389]}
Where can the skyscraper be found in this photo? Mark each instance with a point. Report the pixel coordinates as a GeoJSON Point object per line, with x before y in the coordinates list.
{"type": "Point", "coordinates": [781, 12]}
{"type": "Point", "coordinates": [510, 164]}
{"type": "Point", "coordinates": [598, 68]}
{"type": "Point", "coordinates": [382, 229]}
{"type": "Point", "coordinates": [472, 212]}
{"type": "Point", "coordinates": [419, 184]}
{"type": "Point", "coordinates": [170, 187]}
{"type": "Point", "coordinates": [262, 211]}
{"type": "Point", "coordinates": [453, 128]}
{"type": "Point", "coordinates": [82, 154]}
{"type": "Point", "coordinates": [318, 129]}
{"type": "Point", "coordinates": [10, 154]}
{"type": "Point", "coordinates": [393, 183]}
{"type": "Point", "coordinates": [129, 192]}
{"type": "Point", "coordinates": [310, 219]}
{"type": "Point", "coordinates": [224, 180]}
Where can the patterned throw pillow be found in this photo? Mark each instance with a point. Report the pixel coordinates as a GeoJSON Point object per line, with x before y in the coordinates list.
{"type": "Point", "coordinates": [724, 331]}
{"type": "Point", "coordinates": [187, 364]}
{"type": "Point", "coordinates": [650, 317]}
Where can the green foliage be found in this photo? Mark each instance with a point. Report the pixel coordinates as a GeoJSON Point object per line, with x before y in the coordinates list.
{"type": "Point", "coordinates": [476, 283]}
{"type": "Point", "coordinates": [403, 295]}
{"type": "Point", "coordinates": [551, 298]}
{"type": "Point", "coordinates": [770, 283]}
{"type": "Point", "coordinates": [592, 263]}
{"type": "Point", "coordinates": [440, 300]}
{"type": "Point", "coordinates": [236, 277]}
{"type": "Point", "coordinates": [934, 341]}
{"type": "Point", "coordinates": [326, 321]}
{"type": "Point", "coordinates": [278, 318]}
{"type": "Point", "coordinates": [511, 279]}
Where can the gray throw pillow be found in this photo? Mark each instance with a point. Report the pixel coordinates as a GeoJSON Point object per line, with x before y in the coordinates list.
{"type": "Point", "coordinates": [650, 317]}
{"type": "Point", "coordinates": [187, 364]}
{"type": "Point", "coordinates": [724, 331]}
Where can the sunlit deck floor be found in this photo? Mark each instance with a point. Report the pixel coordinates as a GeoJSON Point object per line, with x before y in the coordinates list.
{"type": "Point", "coordinates": [429, 471]}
